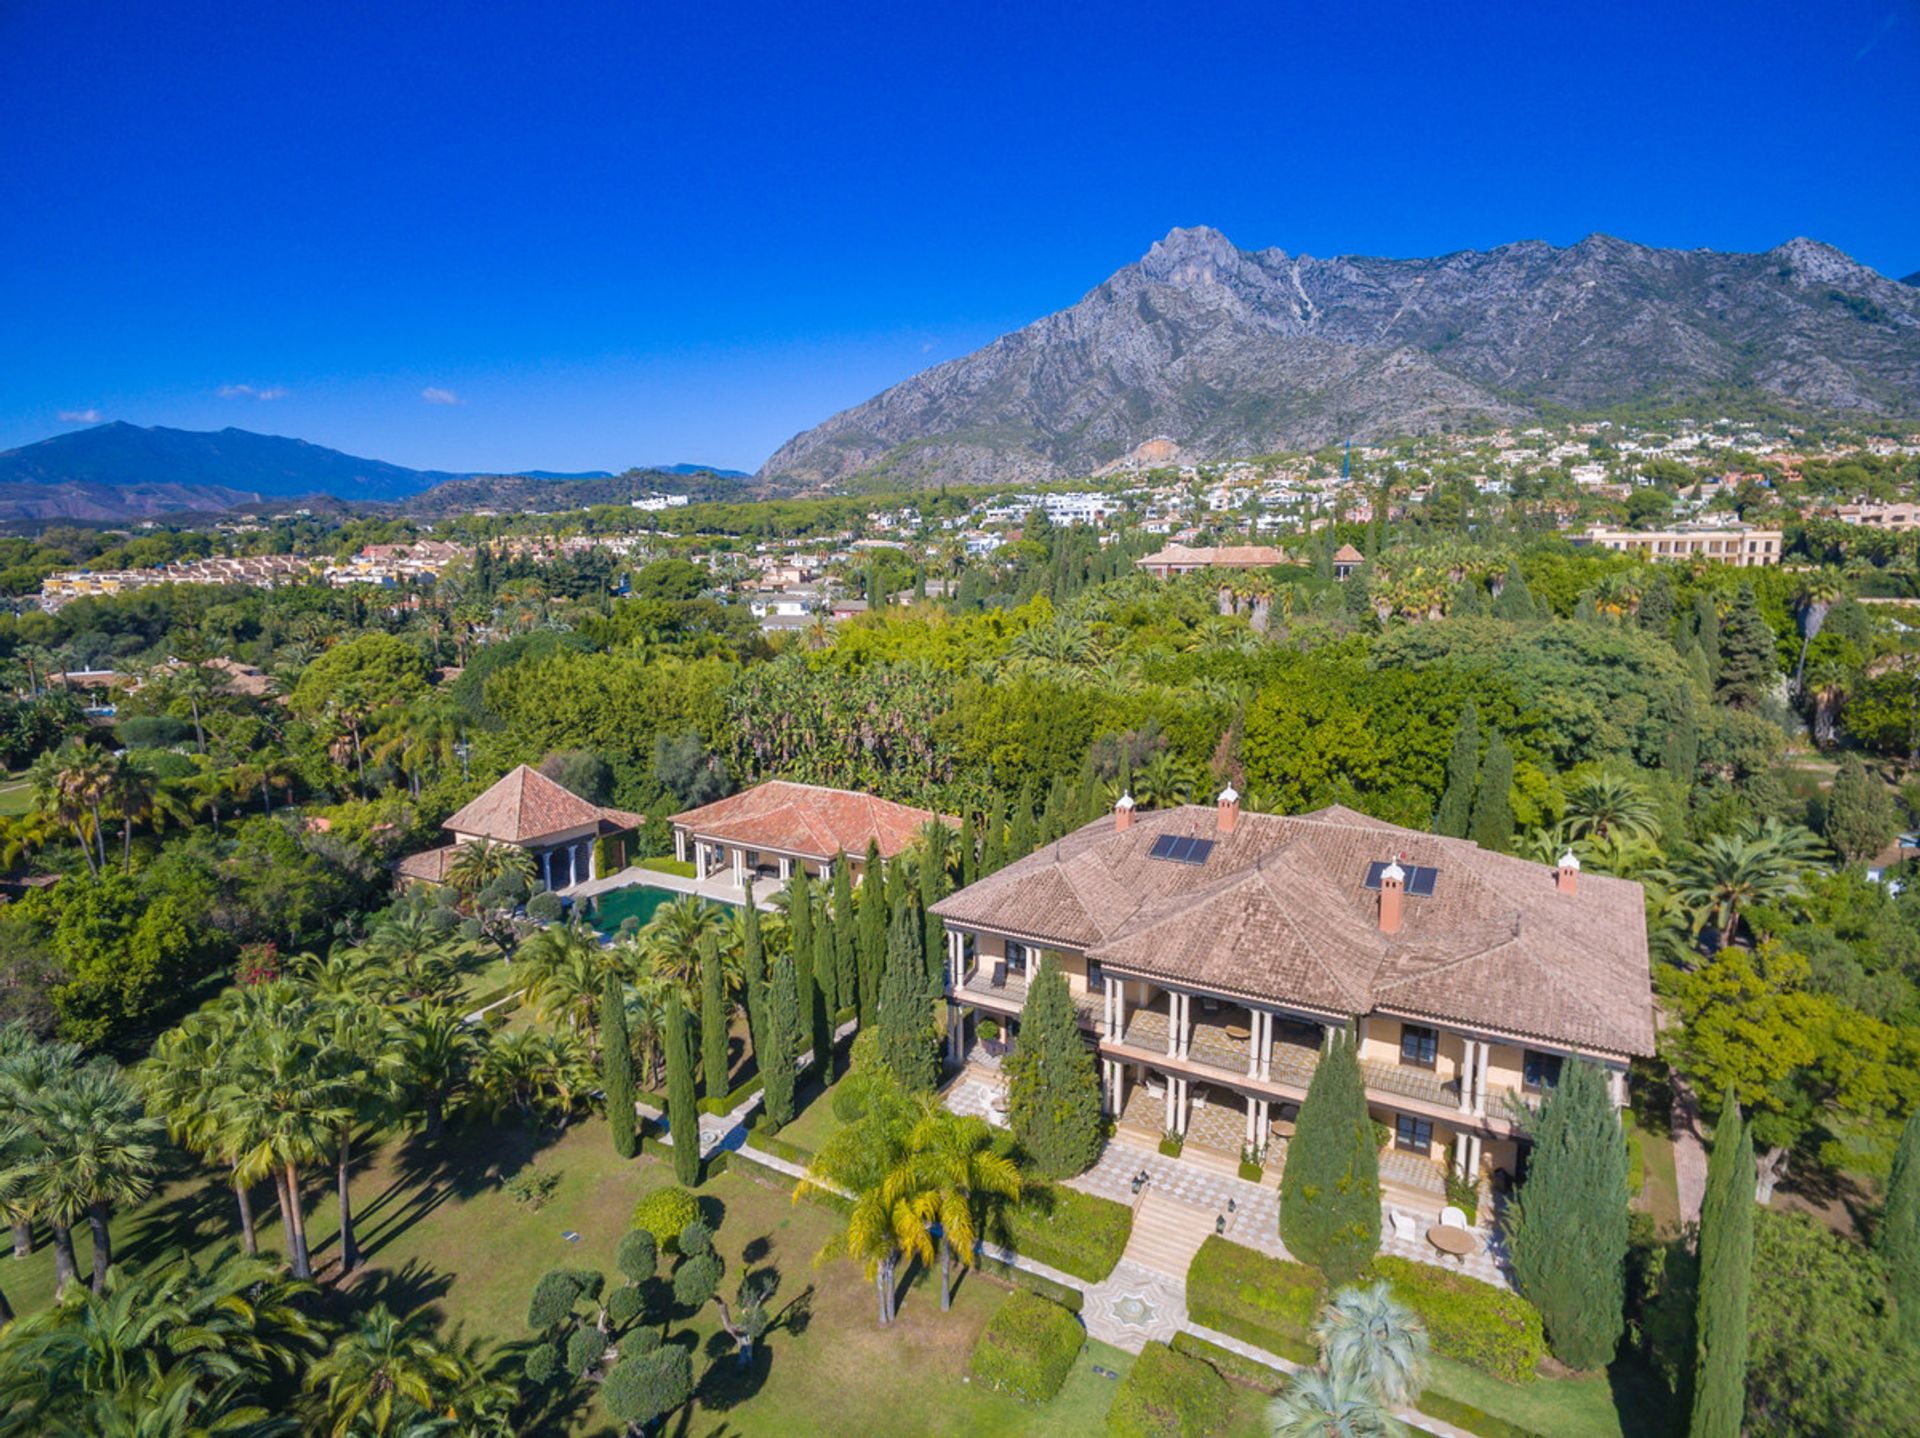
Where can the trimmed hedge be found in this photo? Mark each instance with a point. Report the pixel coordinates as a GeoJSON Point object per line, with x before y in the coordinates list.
{"type": "Point", "coordinates": [1268, 1302]}
{"type": "Point", "coordinates": [1465, 1415]}
{"type": "Point", "coordinates": [1471, 1322]}
{"type": "Point", "coordinates": [1169, 1395]}
{"type": "Point", "coordinates": [1075, 1232]}
{"type": "Point", "coordinates": [780, 1148]}
{"type": "Point", "coordinates": [663, 1213]}
{"type": "Point", "coordinates": [721, 1107]}
{"type": "Point", "coordinates": [1058, 1293]}
{"type": "Point", "coordinates": [1230, 1365]}
{"type": "Point", "coordinates": [1027, 1348]}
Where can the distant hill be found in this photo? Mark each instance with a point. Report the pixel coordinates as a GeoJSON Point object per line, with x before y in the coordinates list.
{"type": "Point", "coordinates": [511, 493]}
{"type": "Point", "coordinates": [122, 471]}
{"type": "Point", "coordinates": [685, 469]}
{"type": "Point", "coordinates": [1231, 352]}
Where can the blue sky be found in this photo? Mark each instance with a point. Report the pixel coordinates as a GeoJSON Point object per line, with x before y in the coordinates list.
{"type": "Point", "coordinates": [578, 236]}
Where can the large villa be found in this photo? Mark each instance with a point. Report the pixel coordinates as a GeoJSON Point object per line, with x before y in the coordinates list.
{"type": "Point", "coordinates": [559, 830]}
{"type": "Point", "coordinates": [1211, 953]}
{"type": "Point", "coordinates": [766, 832]}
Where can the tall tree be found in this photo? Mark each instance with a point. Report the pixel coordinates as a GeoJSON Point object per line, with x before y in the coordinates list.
{"type": "Point", "coordinates": [616, 1058]}
{"type": "Point", "coordinates": [1515, 601]}
{"type": "Point", "coordinates": [1861, 820]}
{"type": "Point", "coordinates": [753, 967]}
{"type": "Point", "coordinates": [1463, 772]}
{"type": "Point", "coordinates": [1053, 1091]}
{"type": "Point", "coordinates": [969, 852]}
{"type": "Point", "coordinates": [872, 941]}
{"type": "Point", "coordinates": [782, 1031]}
{"type": "Point", "coordinates": [904, 1016]}
{"type": "Point", "coordinates": [1726, 1278]}
{"type": "Point", "coordinates": [960, 1180]}
{"type": "Point", "coordinates": [846, 941]}
{"type": "Point", "coordinates": [1705, 627]}
{"type": "Point", "coordinates": [1492, 823]}
{"type": "Point", "coordinates": [1898, 1240]}
{"type": "Point", "coordinates": [822, 1014]}
{"type": "Point", "coordinates": [933, 888]}
{"type": "Point", "coordinates": [1568, 1223]}
{"type": "Point", "coordinates": [1330, 1186]}
{"type": "Point", "coordinates": [713, 1021]}
{"type": "Point", "coordinates": [1749, 655]}
{"type": "Point", "coordinates": [683, 1111]}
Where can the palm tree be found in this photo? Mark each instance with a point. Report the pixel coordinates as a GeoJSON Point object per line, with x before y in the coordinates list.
{"type": "Point", "coordinates": [181, 1077]}
{"type": "Point", "coordinates": [872, 1160]}
{"type": "Point", "coordinates": [439, 1050]}
{"type": "Point", "coordinates": [536, 1073]}
{"type": "Point", "coordinates": [1827, 682]}
{"type": "Point", "coordinates": [477, 865]}
{"type": "Point", "coordinates": [382, 1371]}
{"type": "Point", "coordinates": [71, 785]}
{"type": "Point", "coordinates": [566, 973]}
{"type": "Point", "coordinates": [1318, 1404]}
{"type": "Point", "coordinates": [416, 950]}
{"type": "Point", "coordinates": [95, 1148]}
{"type": "Point", "coordinates": [670, 941]}
{"type": "Point", "coordinates": [359, 1052]}
{"type": "Point", "coordinates": [1367, 1333]}
{"type": "Point", "coordinates": [958, 1177]}
{"type": "Point", "coordinates": [1604, 804]}
{"type": "Point", "coordinates": [1815, 598]}
{"type": "Point", "coordinates": [1726, 874]}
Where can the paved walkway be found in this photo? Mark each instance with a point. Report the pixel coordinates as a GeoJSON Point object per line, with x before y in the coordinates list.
{"type": "Point", "coordinates": [718, 888]}
{"type": "Point", "coordinates": [1689, 1151]}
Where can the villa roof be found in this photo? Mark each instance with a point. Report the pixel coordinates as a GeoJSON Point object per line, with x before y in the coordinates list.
{"type": "Point", "coordinates": [1280, 910]}
{"type": "Point", "coordinates": [808, 819]}
{"type": "Point", "coordinates": [1347, 554]}
{"type": "Point", "coordinates": [527, 806]}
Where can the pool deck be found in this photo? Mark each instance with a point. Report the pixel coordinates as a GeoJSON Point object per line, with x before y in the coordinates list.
{"type": "Point", "coordinates": [719, 889]}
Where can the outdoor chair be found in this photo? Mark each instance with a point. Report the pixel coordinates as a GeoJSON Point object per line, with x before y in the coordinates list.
{"type": "Point", "coordinates": [1451, 1217]}
{"type": "Point", "coordinates": [1404, 1227]}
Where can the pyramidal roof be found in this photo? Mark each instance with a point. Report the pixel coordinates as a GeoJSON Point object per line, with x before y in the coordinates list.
{"type": "Point", "coordinates": [809, 819]}
{"type": "Point", "coordinates": [523, 807]}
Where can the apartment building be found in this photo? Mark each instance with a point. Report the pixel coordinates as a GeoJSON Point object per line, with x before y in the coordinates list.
{"type": "Point", "coordinates": [1211, 954]}
{"type": "Point", "coordinates": [1896, 518]}
{"type": "Point", "coordinates": [1732, 544]}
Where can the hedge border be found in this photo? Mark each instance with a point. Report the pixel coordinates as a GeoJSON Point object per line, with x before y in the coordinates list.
{"type": "Point", "coordinates": [1063, 1294]}
{"type": "Point", "coordinates": [1465, 1415]}
{"type": "Point", "coordinates": [1027, 1338]}
{"type": "Point", "coordinates": [1234, 1367]}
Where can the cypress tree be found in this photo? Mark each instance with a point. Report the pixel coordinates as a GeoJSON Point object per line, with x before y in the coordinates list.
{"type": "Point", "coordinates": [784, 1031]}
{"type": "Point", "coordinates": [993, 856]}
{"type": "Point", "coordinates": [1568, 1223]}
{"type": "Point", "coordinates": [872, 937]}
{"type": "Point", "coordinates": [1463, 771]}
{"type": "Point", "coordinates": [1749, 655]}
{"type": "Point", "coordinates": [1330, 1186]}
{"type": "Point", "coordinates": [846, 940]}
{"type": "Point", "coordinates": [1726, 1279]}
{"type": "Point", "coordinates": [1515, 600]}
{"type": "Point", "coordinates": [1682, 757]}
{"type": "Point", "coordinates": [1700, 670]}
{"type": "Point", "coordinates": [1492, 826]}
{"type": "Point", "coordinates": [1860, 815]}
{"type": "Point", "coordinates": [1053, 1092]}
{"type": "Point", "coordinates": [823, 1009]}
{"type": "Point", "coordinates": [616, 1058]}
{"type": "Point", "coordinates": [713, 1021]}
{"type": "Point", "coordinates": [905, 1018]}
{"type": "Point", "coordinates": [969, 853]}
{"type": "Point", "coordinates": [1706, 632]}
{"type": "Point", "coordinates": [1020, 833]}
{"type": "Point", "coordinates": [683, 1112]}
{"type": "Point", "coordinates": [1898, 1240]}
{"type": "Point", "coordinates": [933, 888]}
{"type": "Point", "coordinates": [800, 920]}
{"type": "Point", "coordinates": [753, 968]}
{"type": "Point", "coordinates": [1656, 608]}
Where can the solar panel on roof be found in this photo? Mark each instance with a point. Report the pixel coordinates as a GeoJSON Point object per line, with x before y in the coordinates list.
{"type": "Point", "coordinates": [1181, 849]}
{"type": "Point", "coordinates": [1419, 881]}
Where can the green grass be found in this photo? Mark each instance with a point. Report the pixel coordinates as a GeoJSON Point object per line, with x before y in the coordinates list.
{"type": "Point", "coordinates": [1659, 1188]}
{"type": "Point", "coordinates": [679, 868]}
{"type": "Point", "coordinates": [815, 1123]}
{"type": "Point", "coordinates": [16, 798]}
{"type": "Point", "coordinates": [1558, 1407]}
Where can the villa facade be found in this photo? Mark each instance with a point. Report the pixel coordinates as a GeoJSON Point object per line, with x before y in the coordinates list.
{"type": "Point", "coordinates": [768, 831]}
{"type": "Point", "coordinates": [558, 828]}
{"type": "Point", "coordinates": [1211, 954]}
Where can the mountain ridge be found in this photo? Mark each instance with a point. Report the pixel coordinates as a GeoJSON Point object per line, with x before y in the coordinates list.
{"type": "Point", "coordinates": [1229, 351]}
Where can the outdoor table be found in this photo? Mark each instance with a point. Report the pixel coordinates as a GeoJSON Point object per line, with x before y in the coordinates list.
{"type": "Point", "coordinates": [1238, 1031]}
{"type": "Point", "coordinates": [1455, 1242]}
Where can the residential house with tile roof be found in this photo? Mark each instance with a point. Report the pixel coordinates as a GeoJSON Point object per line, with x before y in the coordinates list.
{"type": "Point", "coordinates": [1211, 953]}
{"type": "Point", "coordinates": [1178, 559]}
{"type": "Point", "coordinates": [530, 811]}
{"type": "Point", "coordinates": [767, 831]}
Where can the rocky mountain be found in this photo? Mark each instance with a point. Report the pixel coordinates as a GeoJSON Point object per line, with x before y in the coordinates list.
{"type": "Point", "coordinates": [123, 471]}
{"type": "Point", "coordinates": [1229, 352]}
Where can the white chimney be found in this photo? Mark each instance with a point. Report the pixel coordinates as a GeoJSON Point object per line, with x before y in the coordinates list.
{"type": "Point", "coordinates": [1567, 877]}
{"type": "Point", "coordinates": [1228, 812]}
{"type": "Point", "coordinates": [1393, 897]}
{"type": "Point", "coordinates": [1123, 814]}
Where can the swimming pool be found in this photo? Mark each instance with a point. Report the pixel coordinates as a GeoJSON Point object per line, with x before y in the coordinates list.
{"type": "Point", "coordinates": [636, 901]}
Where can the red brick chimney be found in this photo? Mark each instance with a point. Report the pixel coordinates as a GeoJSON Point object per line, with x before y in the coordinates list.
{"type": "Point", "coordinates": [1393, 897]}
{"type": "Point", "coordinates": [1228, 812]}
{"type": "Point", "coordinates": [1566, 878]}
{"type": "Point", "coordinates": [1123, 814]}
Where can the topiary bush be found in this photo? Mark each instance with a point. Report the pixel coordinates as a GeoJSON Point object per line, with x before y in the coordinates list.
{"type": "Point", "coordinates": [1471, 1322]}
{"type": "Point", "coordinates": [644, 1386]}
{"type": "Point", "coordinates": [585, 1350]}
{"type": "Point", "coordinates": [1169, 1395]}
{"type": "Point", "coordinates": [637, 1256]}
{"type": "Point", "coordinates": [665, 1213]}
{"type": "Point", "coordinates": [1268, 1302]}
{"type": "Point", "coordinates": [545, 907]}
{"type": "Point", "coordinates": [1027, 1348]}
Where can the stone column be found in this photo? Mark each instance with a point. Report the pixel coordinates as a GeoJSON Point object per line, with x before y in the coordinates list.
{"type": "Point", "coordinates": [546, 867]}
{"type": "Point", "coordinates": [1106, 1015]}
{"type": "Point", "coordinates": [1119, 1009]}
{"type": "Point", "coordinates": [680, 845]}
{"type": "Point", "coordinates": [1173, 1090]}
{"type": "Point", "coordinates": [956, 960]}
{"type": "Point", "coordinates": [699, 861]}
{"type": "Point", "coordinates": [1173, 1023]}
{"type": "Point", "coordinates": [1617, 1087]}
{"type": "Point", "coordinates": [1266, 1048]}
{"type": "Point", "coordinates": [739, 868]}
{"type": "Point", "coordinates": [1253, 1043]}
{"type": "Point", "coordinates": [1466, 1072]}
{"type": "Point", "coordinates": [1480, 1078]}
{"type": "Point", "coordinates": [1186, 1107]}
{"type": "Point", "coordinates": [1186, 1028]}
{"type": "Point", "coordinates": [786, 869]}
{"type": "Point", "coordinates": [1252, 1104]}
{"type": "Point", "coordinates": [593, 860]}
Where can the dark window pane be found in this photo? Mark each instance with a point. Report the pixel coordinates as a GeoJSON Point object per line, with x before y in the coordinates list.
{"type": "Point", "coordinates": [1540, 1071]}
{"type": "Point", "coordinates": [1411, 1133]}
{"type": "Point", "coordinates": [1418, 1045]}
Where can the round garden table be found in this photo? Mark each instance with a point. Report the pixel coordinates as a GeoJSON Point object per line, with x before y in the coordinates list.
{"type": "Point", "coordinates": [1456, 1243]}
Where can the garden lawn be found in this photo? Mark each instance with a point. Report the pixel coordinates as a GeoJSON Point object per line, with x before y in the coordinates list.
{"type": "Point", "coordinates": [1554, 1407]}
{"type": "Point", "coordinates": [815, 1123]}
{"type": "Point", "coordinates": [438, 1229]}
{"type": "Point", "coordinates": [1659, 1189]}
{"type": "Point", "coordinates": [16, 798]}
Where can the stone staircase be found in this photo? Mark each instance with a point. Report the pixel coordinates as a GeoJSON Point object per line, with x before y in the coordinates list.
{"type": "Point", "coordinates": [1166, 1235]}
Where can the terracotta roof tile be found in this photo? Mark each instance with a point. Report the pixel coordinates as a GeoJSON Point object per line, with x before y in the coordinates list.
{"type": "Point", "coordinates": [1280, 911]}
{"type": "Point", "coordinates": [808, 819]}
{"type": "Point", "coordinates": [526, 806]}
